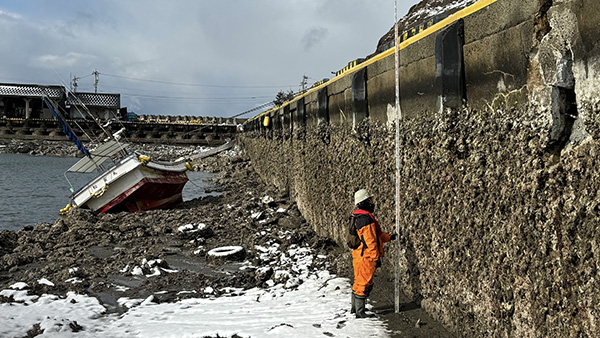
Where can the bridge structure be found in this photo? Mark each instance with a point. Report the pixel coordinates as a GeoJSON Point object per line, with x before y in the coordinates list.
{"type": "Point", "coordinates": [23, 115]}
{"type": "Point", "coordinates": [215, 133]}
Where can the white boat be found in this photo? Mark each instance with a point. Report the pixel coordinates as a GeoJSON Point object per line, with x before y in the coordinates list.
{"type": "Point", "coordinates": [133, 183]}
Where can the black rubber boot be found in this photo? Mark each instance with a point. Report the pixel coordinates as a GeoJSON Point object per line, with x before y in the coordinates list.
{"type": "Point", "coordinates": [353, 308]}
{"type": "Point", "coordinates": [359, 303]}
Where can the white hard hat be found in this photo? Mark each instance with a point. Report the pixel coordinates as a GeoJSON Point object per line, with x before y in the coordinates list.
{"type": "Point", "coordinates": [361, 195]}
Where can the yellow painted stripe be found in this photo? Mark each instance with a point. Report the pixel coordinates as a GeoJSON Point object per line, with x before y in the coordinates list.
{"type": "Point", "coordinates": [479, 5]}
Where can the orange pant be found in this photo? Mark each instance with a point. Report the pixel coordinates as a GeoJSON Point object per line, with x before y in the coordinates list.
{"type": "Point", "coordinates": [364, 270]}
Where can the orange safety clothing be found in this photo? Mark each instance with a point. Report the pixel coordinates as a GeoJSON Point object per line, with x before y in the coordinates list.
{"type": "Point", "coordinates": [365, 256]}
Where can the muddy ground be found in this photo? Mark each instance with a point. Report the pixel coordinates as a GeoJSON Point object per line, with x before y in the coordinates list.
{"type": "Point", "coordinates": [111, 256]}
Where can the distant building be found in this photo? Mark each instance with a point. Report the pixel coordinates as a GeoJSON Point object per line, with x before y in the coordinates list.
{"type": "Point", "coordinates": [26, 100]}
{"type": "Point", "coordinates": [102, 106]}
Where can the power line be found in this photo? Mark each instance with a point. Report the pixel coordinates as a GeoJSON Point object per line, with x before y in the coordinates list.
{"type": "Point", "coordinates": [192, 98]}
{"type": "Point", "coordinates": [182, 99]}
{"type": "Point", "coordinates": [264, 105]}
{"type": "Point", "coordinates": [188, 84]}
{"type": "Point", "coordinates": [254, 109]}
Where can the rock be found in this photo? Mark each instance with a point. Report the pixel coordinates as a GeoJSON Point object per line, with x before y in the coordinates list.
{"type": "Point", "coordinates": [36, 330]}
{"type": "Point", "coordinates": [8, 241]}
{"type": "Point", "coordinates": [291, 222]}
{"type": "Point", "coordinates": [263, 274]}
{"type": "Point", "coordinates": [75, 327]}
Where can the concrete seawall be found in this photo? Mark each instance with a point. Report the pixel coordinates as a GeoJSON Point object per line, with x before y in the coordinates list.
{"type": "Point", "coordinates": [135, 131]}
{"type": "Point", "coordinates": [499, 200]}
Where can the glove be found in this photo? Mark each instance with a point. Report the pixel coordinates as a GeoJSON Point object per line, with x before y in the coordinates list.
{"type": "Point", "coordinates": [377, 263]}
{"type": "Point", "coordinates": [393, 237]}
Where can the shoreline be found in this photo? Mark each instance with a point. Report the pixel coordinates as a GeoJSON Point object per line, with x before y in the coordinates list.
{"type": "Point", "coordinates": [43, 160]}
{"type": "Point", "coordinates": [67, 149]}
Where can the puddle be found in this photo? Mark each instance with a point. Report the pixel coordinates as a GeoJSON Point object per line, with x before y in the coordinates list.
{"type": "Point", "coordinates": [180, 261]}
{"type": "Point", "coordinates": [231, 267]}
{"type": "Point", "coordinates": [109, 301]}
{"type": "Point", "coordinates": [119, 284]}
{"type": "Point", "coordinates": [126, 281]}
{"type": "Point", "coordinates": [100, 251]}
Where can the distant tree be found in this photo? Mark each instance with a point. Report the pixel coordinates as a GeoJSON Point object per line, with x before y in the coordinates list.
{"type": "Point", "coordinates": [282, 96]}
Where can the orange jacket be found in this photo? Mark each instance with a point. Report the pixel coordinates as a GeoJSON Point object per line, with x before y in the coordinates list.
{"type": "Point", "coordinates": [370, 233]}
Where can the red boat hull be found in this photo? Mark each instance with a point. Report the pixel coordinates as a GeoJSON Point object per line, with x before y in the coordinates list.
{"type": "Point", "coordinates": [149, 193]}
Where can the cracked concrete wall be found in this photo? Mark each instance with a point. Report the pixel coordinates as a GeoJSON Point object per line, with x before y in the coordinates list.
{"type": "Point", "coordinates": [500, 202]}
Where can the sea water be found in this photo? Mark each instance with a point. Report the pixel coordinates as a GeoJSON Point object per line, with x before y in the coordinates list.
{"type": "Point", "coordinates": [33, 188]}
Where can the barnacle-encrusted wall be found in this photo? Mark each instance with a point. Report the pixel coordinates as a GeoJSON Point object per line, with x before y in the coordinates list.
{"type": "Point", "coordinates": [500, 201]}
{"type": "Point", "coordinates": [499, 237]}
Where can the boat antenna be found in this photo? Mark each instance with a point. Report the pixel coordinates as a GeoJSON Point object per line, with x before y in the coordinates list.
{"type": "Point", "coordinates": [66, 128]}
{"type": "Point", "coordinates": [95, 139]}
{"type": "Point", "coordinates": [80, 103]}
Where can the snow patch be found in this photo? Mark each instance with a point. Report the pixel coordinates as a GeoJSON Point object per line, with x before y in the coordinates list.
{"type": "Point", "coordinates": [432, 10]}
{"type": "Point", "coordinates": [186, 227]}
{"type": "Point", "coordinates": [137, 271]}
{"type": "Point", "coordinates": [19, 286]}
{"type": "Point", "coordinates": [267, 199]}
{"type": "Point", "coordinates": [256, 215]}
{"type": "Point", "coordinates": [155, 272]}
{"type": "Point", "coordinates": [148, 301]}
{"type": "Point", "coordinates": [128, 302]}
{"type": "Point", "coordinates": [53, 314]}
{"type": "Point", "coordinates": [44, 281]}
{"type": "Point", "coordinates": [74, 280]}
{"type": "Point", "coordinates": [20, 296]}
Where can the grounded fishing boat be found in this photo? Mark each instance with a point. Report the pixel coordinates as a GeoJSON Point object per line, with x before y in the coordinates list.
{"type": "Point", "coordinates": [131, 182]}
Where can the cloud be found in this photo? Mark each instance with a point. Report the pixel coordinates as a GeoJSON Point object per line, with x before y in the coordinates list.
{"type": "Point", "coordinates": [76, 26]}
{"type": "Point", "coordinates": [225, 49]}
{"type": "Point", "coordinates": [313, 36]}
{"type": "Point", "coordinates": [4, 15]}
{"type": "Point", "coordinates": [134, 104]}
{"type": "Point", "coordinates": [69, 60]}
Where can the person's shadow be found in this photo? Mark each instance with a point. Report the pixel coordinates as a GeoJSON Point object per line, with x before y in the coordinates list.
{"type": "Point", "coordinates": [387, 309]}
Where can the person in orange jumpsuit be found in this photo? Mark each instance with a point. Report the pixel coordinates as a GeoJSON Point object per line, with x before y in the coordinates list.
{"type": "Point", "coordinates": [367, 257]}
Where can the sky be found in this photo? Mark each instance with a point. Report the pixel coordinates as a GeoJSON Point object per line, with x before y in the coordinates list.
{"type": "Point", "coordinates": [188, 57]}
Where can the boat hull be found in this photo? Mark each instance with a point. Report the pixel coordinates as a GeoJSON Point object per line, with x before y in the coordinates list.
{"type": "Point", "coordinates": [149, 193]}
{"type": "Point", "coordinates": [131, 186]}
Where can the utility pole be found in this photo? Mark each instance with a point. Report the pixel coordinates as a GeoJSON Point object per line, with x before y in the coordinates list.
{"type": "Point", "coordinates": [96, 79]}
{"type": "Point", "coordinates": [74, 84]}
{"type": "Point", "coordinates": [304, 82]}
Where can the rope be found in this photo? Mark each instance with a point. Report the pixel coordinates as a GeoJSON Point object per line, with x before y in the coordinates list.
{"type": "Point", "coordinates": [100, 192]}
